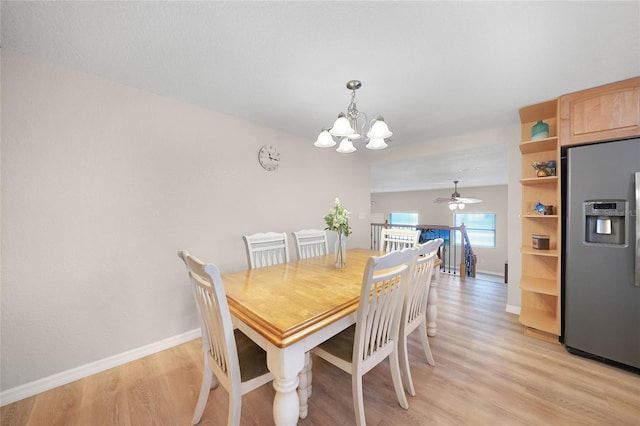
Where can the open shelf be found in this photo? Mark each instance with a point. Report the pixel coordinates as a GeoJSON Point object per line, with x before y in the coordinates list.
{"type": "Point", "coordinates": [548, 144]}
{"type": "Point", "coordinates": [540, 111]}
{"type": "Point", "coordinates": [540, 311]}
{"type": "Point", "coordinates": [538, 252]}
{"type": "Point", "coordinates": [539, 285]}
{"type": "Point", "coordinates": [548, 180]}
{"type": "Point", "coordinates": [540, 319]}
{"type": "Point", "coordinates": [540, 278]}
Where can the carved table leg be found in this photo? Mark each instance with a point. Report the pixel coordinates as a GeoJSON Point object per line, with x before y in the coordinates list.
{"type": "Point", "coordinates": [304, 385]}
{"type": "Point", "coordinates": [286, 364]}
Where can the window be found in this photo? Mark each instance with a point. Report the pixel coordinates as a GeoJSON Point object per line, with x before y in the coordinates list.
{"type": "Point", "coordinates": [403, 218]}
{"type": "Point", "coordinates": [481, 228]}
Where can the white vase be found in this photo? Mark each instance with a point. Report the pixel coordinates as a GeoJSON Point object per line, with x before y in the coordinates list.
{"type": "Point", "coordinates": [341, 251]}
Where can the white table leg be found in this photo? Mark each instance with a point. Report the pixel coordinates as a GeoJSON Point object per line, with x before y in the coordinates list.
{"type": "Point", "coordinates": [432, 303]}
{"type": "Point", "coordinates": [286, 364]}
{"type": "Point", "coordinates": [309, 363]}
{"type": "Point", "coordinates": [304, 385]}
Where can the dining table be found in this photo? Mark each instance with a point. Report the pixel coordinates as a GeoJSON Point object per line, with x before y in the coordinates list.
{"type": "Point", "coordinates": [290, 308]}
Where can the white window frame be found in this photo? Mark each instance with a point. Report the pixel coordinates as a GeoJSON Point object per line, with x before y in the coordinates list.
{"type": "Point", "coordinates": [413, 215]}
{"type": "Point", "coordinates": [471, 230]}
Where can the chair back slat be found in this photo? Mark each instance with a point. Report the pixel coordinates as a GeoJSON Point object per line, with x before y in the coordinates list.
{"type": "Point", "coordinates": [417, 296]}
{"type": "Point", "coordinates": [392, 239]}
{"type": "Point", "coordinates": [266, 249]}
{"type": "Point", "coordinates": [218, 340]}
{"type": "Point", "coordinates": [197, 266]}
{"type": "Point", "coordinates": [311, 243]}
{"type": "Point", "coordinates": [385, 282]}
{"type": "Point", "coordinates": [414, 312]}
{"type": "Point", "coordinates": [193, 263]}
{"type": "Point", "coordinates": [209, 306]}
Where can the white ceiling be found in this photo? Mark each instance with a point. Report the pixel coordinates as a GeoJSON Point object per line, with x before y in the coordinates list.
{"type": "Point", "coordinates": [433, 69]}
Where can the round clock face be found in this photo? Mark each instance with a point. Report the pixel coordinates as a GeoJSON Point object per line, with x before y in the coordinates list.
{"type": "Point", "coordinates": [269, 157]}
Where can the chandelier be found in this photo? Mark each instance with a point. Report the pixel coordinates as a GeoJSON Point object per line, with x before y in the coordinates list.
{"type": "Point", "coordinates": [353, 125]}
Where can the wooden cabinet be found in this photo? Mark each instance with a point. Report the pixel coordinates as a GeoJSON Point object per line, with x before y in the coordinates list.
{"type": "Point", "coordinates": [540, 311]}
{"type": "Point", "coordinates": [602, 113]}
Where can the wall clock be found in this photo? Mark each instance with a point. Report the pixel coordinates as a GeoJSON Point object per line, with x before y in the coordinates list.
{"type": "Point", "coordinates": [269, 157]}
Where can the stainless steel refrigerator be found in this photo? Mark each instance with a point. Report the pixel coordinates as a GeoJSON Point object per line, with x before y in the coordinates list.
{"type": "Point", "coordinates": [601, 265]}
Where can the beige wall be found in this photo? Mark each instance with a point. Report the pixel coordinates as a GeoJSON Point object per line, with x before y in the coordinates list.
{"type": "Point", "coordinates": [102, 184]}
{"type": "Point", "coordinates": [494, 200]}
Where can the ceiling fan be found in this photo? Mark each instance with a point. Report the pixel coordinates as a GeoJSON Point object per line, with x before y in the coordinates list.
{"type": "Point", "coordinates": [456, 201]}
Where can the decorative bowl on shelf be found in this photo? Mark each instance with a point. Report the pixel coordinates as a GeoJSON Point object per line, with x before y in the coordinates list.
{"type": "Point", "coordinates": [544, 168]}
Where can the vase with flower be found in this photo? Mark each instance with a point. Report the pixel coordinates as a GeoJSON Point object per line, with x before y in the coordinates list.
{"type": "Point", "coordinates": [337, 220]}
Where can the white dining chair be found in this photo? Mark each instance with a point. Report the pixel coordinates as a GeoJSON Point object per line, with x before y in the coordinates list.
{"type": "Point", "coordinates": [397, 239]}
{"type": "Point", "coordinates": [414, 311]}
{"type": "Point", "coordinates": [374, 336]}
{"type": "Point", "coordinates": [266, 248]}
{"type": "Point", "coordinates": [311, 243]}
{"type": "Point", "coordinates": [230, 357]}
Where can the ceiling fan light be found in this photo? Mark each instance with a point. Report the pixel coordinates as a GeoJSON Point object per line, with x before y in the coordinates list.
{"type": "Point", "coordinates": [452, 205]}
{"type": "Point", "coordinates": [341, 127]}
{"type": "Point", "coordinates": [379, 129]}
{"type": "Point", "coordinates": [324, 140]}
{"type": "Point", "coordinates": [376, 144]}
{"type": "Point", "coordinates": [461, 206]}
{"type": "Point", "coordinates": [346, 146]}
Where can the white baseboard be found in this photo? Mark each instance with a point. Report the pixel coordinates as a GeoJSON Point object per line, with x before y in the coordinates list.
{"type": "Point", "coordinates": [513, 309]}
{"type": "Point", "coordinates": [33, 388]}
{"type": "Point", "coordinates": [498, 274]}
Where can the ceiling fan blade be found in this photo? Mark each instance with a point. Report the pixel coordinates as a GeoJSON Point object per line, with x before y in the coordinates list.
{"type": "Point", "coordinates": [469, 200]}
{"type": "Point", "coordinates": [456, 198]}
{"type": "Point", "coordinates": [442, 200]}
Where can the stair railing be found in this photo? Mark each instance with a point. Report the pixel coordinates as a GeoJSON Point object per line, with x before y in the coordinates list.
{"type": "Point", "coordinates": [449, 251]}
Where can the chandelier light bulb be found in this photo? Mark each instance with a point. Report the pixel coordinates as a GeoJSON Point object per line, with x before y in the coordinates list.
{"type": "Point", "coordinates": [324, 140]}
{"type": "Point", "coordinates": [346, 146]}
{"type": "Point", "coordinates": [379, 130]}
{"type": "Point", "coordinates": [376, 144]}
{"type": "Point", "coordinates": [341, 127]}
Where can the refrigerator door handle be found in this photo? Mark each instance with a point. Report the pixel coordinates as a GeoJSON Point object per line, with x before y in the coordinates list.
{"type": "Point", "coordinates": [637, 214]}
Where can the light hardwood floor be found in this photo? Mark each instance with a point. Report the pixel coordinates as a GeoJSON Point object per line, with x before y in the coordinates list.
{"type": "Point", "coordinates": [487, 373]}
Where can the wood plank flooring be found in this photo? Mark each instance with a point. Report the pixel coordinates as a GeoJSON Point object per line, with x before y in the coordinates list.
{"type": "Point", "coordinates": [487, 373]}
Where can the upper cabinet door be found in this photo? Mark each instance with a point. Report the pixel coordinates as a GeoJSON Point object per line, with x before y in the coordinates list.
{"type": "Point", "coordinates": [603, 113]}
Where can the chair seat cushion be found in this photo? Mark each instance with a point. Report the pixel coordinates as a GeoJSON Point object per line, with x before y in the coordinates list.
{"type": "Point", "coordinates": [251, 357]}
{"type": "Point", "coordinates": [341, 345]}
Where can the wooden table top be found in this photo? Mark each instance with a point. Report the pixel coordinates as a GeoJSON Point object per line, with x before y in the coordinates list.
{"type": "Point", "coordinates": [287, 302]}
